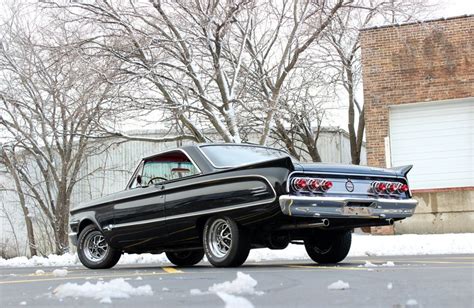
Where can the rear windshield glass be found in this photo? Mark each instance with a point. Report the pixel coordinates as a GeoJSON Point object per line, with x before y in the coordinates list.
{"type": "Point", "coordinates": [227, 156]}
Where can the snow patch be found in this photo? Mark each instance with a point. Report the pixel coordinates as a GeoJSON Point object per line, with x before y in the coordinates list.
{"type": "Point", "coordinates": [233, 301]}
{"type": "Point", "coordinates": [59, 273]}
{"type": "Point", "coordinates": [362, 245]}
{"type": "Point", "coordinates": [411, 302]}
{"type": "Point", "coordinates": [196, 292]}
{"type": "Point", "coordinates": [243, 284]}
{"type": "Point", "coordinates": [339, 285]}
{"type": "Point", "coordinates": [103, 291]}
{"type": "Point", "coordinates": [39, 272]}
{"type": "Point", "coordinates": [23, 303]}
{"type": "Point", "coordinates": [389, 286]}
{"type": "Point", "coordinates": [369, 264]}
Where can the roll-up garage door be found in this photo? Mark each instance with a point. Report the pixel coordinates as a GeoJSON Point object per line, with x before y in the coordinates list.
{"type": "Point", "coordinates": [438, 139]}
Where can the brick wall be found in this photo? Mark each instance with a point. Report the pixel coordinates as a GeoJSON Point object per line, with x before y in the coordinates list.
{"type": "Point", "coordinates": [413, 63]}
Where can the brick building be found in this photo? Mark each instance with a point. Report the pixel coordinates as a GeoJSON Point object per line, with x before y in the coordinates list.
{"type": "Point", "coordinates": [419, 103]}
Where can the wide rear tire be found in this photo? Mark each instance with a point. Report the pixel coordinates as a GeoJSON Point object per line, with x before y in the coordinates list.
{"type": "Point", "coordinates": [226, 244]}
{"type": "Point", "coordinates": [330, 247]}
{"type": "Point", "coordinates": [185, 258]}
{"type": "Point", "coordinates": [94, 252]}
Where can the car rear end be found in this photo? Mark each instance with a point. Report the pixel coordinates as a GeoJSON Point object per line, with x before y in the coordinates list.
{"type": "Point", "coordinates": [356, 196]}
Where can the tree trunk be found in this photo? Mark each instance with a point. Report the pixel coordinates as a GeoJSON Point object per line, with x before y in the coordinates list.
{"type": "Point", "coordinates": [21, 198]}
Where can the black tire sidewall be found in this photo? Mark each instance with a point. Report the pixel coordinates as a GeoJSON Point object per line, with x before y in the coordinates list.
{"type": "Point", "coordinates": [194, 257]}
{"type": "Point", "coordinates": [340, 246]}
{"type": "Point", "coordinates": [110, 259]}
{"type": "Point", "coordinates": [239, 248]}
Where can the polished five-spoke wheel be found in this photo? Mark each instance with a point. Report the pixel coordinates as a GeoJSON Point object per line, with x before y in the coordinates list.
{"type": "Point", "coordinates": [93, 250]}
{"type": "Point", "coordinates": [95, 247]}
{"type": "Point", "coordinates": [225, 243]}
{"type": "Point", "coordinates": [220, 238]}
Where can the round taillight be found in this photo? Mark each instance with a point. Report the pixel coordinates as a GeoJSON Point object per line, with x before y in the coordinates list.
{"type": "Point", "coordinates": [381, 187]}
{"type": "Point", "coordinates": [403, 188]}
{"type": "Point", "coordinates": [326, 185]}
{"type": "Point", "coordinates": [300, 183]}
{"type": "Point", "coordinates": [314, 185]}
{"type": "Point", "coordinates": [392, 187]}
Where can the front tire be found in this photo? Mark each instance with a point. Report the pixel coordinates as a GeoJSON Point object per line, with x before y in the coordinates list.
{"type": "Point", "coordinates": [225, 243]}
{"type": "Point", "coordinates": [185, 258]}
{"type": "Point", "coordinates": [94, 252]}
{"type": "Point", "coordinates": [330, 247]}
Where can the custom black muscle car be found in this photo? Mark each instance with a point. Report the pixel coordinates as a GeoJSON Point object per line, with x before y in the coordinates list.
{"type": "Point", "coordinates": [224, 199]}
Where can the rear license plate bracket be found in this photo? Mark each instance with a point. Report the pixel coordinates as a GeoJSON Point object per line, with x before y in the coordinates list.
{"type": "Point", "coordinates": [356, 211]}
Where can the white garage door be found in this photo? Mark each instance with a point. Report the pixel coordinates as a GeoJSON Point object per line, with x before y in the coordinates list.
{"type": "Point", "coordinates": [438, 139]}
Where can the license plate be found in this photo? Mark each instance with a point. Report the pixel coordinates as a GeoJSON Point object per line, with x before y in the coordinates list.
{"type": "Point", "coordinates": [357, 211]}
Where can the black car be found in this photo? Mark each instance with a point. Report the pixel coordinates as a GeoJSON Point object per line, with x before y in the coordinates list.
{"type": "Point", "coordinates": [224, 199]}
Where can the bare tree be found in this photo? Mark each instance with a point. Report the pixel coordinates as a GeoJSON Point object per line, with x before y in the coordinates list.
{"type": "Point", "coordinates": [50, 105]}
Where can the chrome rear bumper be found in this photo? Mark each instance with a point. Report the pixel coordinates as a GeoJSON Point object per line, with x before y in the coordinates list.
{"type": "Point", "coordinates": [346, 207]}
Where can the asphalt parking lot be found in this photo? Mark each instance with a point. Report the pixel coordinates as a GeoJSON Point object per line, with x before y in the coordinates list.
{"type": "Point", "coordinates": [413, 281]}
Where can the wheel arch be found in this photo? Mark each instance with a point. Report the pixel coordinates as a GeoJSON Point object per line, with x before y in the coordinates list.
{"type": "Point", "coordinates": [84, 223]}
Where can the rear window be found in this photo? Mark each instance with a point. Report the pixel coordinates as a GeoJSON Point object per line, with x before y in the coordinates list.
{"type": "Point", "coordinates": [228, 156]}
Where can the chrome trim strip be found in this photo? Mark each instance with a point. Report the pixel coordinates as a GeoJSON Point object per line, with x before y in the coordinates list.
{"type": "Point", "coordinates": [337, 173]}
{"type": "Point", "coordinates": [210, 211]}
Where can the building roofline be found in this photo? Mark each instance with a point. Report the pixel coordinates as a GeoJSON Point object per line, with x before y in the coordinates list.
{"type": "Point", "coordinates": [417, 22]}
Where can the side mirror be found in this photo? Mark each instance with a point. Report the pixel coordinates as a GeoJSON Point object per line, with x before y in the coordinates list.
{"type": "Point", "coordinates": [139, 180]}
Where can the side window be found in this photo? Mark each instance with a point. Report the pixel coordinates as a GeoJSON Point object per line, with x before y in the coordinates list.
{"type": "Point", "coordinates": [168, 166]}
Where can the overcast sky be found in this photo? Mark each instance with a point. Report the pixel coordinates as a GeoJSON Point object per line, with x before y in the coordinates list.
{"type": "Point", "coordinates": [451, 8]}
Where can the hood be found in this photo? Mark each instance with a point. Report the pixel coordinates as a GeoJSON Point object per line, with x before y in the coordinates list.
{"type": "Point", "coordinates": [352, 169]}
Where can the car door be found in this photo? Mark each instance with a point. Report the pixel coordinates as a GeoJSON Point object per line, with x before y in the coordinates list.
{"type": "Point", "coordinates": [139, 213]}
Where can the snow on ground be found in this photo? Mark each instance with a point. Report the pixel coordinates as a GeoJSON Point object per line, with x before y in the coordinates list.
{"type": "Point", "coordinates": [339, 285]}
{"type": "Point", "coordinates": [412, 302]}
{"type": "Point", "coordinates": [390, 286]}
{"type": "Point", "coordinates": [232, 301]}
{"type": "Point", "coordinates": [362, 245]}
{"type": "Point", "coordinates": [60, 272]}
{"type": "Point", "coordinates": [369, 264]}
{"type": "Point", "coordinates": [102, 291]}
{"type": "Point", "coordinates": [242, 284]}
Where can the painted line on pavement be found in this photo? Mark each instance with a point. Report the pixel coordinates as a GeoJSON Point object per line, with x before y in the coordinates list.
{"type": "Point", "coordinates": [166, 271]}
{"type": "Point", "coordinates": [171, 270]}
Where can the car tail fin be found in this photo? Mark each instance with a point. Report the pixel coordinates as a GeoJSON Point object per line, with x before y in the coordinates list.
{"type": "Point", "coordinates": [402, 170]}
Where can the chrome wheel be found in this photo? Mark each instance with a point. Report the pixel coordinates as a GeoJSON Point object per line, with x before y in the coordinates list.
{"type": "Point", "coordinates": [95, 247]}
{"type": "Point", "coordinates": [220, 238]}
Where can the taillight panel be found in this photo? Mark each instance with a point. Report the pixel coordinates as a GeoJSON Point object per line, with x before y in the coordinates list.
{"type": "Point", "coordinates": [314, 185]}
{"type": "Point", "coordinates": [317, 184]}
{"type": "Point", "coordinates": [390, 188]}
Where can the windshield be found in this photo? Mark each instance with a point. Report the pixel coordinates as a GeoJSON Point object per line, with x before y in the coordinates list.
{"type": "Point", "coordinates": [227, 156]}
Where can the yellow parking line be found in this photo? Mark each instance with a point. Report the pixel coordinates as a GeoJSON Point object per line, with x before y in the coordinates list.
{"type": "Point", "coordinates": [348, 268]}
{"type": "Point", "coordinates": [171, 270]}
{"type": "Point", "coordinates": [167, 270]}
{"type": "Point", "coordinates": [427, 261]}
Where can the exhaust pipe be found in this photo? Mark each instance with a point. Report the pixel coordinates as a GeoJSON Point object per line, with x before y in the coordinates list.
{"type": "Point", "coordinates": [322, 223]}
